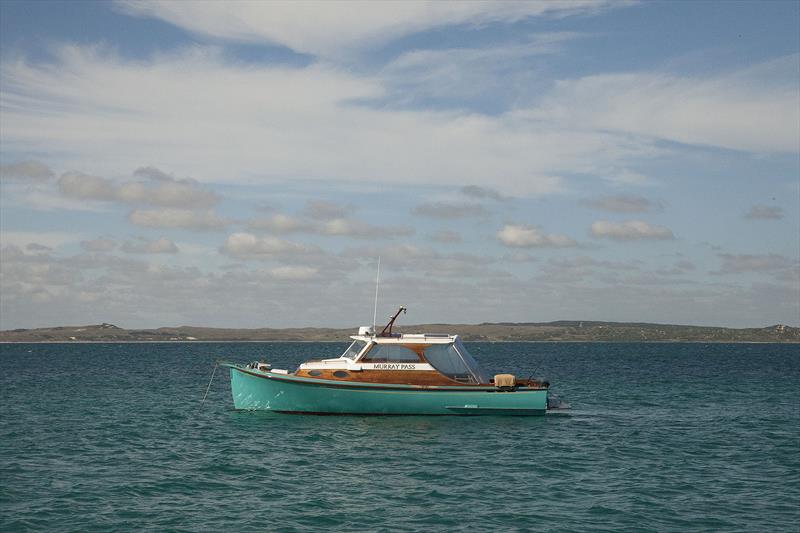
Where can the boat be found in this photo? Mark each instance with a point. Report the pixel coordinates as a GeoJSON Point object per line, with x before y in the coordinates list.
{"type": "Point", "coordinates": [388, 373]}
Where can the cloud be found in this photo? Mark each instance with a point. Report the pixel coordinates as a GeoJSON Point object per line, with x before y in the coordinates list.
{"type": "Point", "coordinates": [63, 108]}
{"type": "Point", "coordinates": [623, 203]}
{"type": "Point", "coordinates": [334, 227]}
{"type": "Point", "coordinates": [483, 193]}
{"type": "Point", "coordinates": [342, 227]}
{"type": "Point", "coordinates": [249, 246]}
{"type": "Point", "coordinates": [36, 247]}
{"type": "Point", "coordinates": [447, 210]}
{"type": "Point", "coordinates": [446, 236]}
{"type": "Point", "coordinates": [299, 273]}
{"type": "Point", "coordinates": [764, 212]}
{"type": "Point", "coordinates": [280, 223]}
{"type": "Point", "coordinates": [34, 274]}
{"type": "Point", "coordinates": [753, 109]}
{"type": "Point", "coordinates": [520, 257]}
{"type": "Point", "coordinates": [144, 246]}
{"type": "Point", "coordinates": [167, 193]}
{"type": "Point", "coordinates": [179, 219]}
{"type": "Point", "coordinates": [587, 269]}
{"type": "Point", "coordinates": [741, 263]}
{"type": "Point", "coordinates": [330, 29]}
{"type": "Point", "coordinates": [174, 194]}
{"type": "Point", "coordinates": [26, 171]}
{"type": "Point", "coordinates": [100, 244]}
{"type": "Point", "coordinates": [86, 187]}
{"type": "Point", "coordinates": [40, 289]}
{"type": "Point", "coordinates": [321, 210]}
{"type": "Point", "coordinates": [679, 268]}
{"type": "Point", "coordinates": [586, 261]}
{"type": "Point", "coordinates": [526, 236]}
{"type": "Point", "coordinates": [489, 75]}
{"type": "Point", "coordinates": [427, 262]}
{"type": "Point", "coordinates": [629, 230]}
{"type": "Point", "coordinates": [51, 239]}
{"type": "Point", "coordinates": [153, 173]}
{"type": "Point", "coordinates": [625, 176]}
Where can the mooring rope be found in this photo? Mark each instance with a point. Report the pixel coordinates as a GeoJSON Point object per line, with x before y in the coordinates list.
{"type": "Point", "coordinates": [209, 384]}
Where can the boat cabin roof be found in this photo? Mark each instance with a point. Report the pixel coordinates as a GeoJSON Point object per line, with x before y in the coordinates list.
{"type": "Point", "coordinates": [408, 338]}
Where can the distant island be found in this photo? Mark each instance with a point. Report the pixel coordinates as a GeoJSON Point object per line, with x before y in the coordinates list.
{"type": "Point", "coordinates": [561, 331]}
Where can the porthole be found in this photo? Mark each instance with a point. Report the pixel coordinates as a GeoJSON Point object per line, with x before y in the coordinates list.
{"type": "Point", "coordinates": [340, 374]}
{"type": "Point", "coordinates": [314, 373]}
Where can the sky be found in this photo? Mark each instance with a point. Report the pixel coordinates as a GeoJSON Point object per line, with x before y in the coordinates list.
{"type": "Point", "coordinates": [245, 164]}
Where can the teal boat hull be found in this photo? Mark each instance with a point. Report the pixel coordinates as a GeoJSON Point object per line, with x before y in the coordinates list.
{"type": "Point", "coordinates": [258, 390]}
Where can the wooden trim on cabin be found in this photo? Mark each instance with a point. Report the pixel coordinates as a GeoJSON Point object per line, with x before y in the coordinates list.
{"type": "Point", "coordinates": [394, 377]}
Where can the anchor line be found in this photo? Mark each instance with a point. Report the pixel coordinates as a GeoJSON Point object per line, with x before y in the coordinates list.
{"type": "Point", "coordinates": [209, 383]}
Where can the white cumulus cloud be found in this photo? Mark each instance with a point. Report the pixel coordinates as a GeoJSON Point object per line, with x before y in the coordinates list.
{"type": "Point", "coordinates": [164, 192]}
{"type": "Point", "coordinates": [281, 223]}
{"type": "Point", "coordinates": [248, 246]}
{"type": "Point", "coordinates": [527, 236]}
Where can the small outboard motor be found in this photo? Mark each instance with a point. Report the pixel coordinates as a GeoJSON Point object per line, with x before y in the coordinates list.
{"type": "Point", "coordinates": [554, 402]}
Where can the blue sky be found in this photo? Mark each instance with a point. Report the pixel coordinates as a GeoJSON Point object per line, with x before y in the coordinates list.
{"type": "Point", "coordinates": [244, 164]}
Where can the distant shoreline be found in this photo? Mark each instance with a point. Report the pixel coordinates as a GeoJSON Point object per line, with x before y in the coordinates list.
{"type": "Point", "coordinates": [550, 332]}
{"type": "Point", "coordinates": [345, 341]}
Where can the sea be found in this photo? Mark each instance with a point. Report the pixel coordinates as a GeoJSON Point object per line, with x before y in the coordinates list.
{"type": "Point", "coordinates": [659, 437]}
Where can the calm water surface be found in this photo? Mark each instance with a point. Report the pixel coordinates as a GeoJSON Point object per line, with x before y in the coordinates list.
{"type": "Point", "coordinates": [111, 437]}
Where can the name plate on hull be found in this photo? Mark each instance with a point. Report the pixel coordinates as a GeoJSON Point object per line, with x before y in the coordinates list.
{"type": "Point", "coordinates": [396, 366]}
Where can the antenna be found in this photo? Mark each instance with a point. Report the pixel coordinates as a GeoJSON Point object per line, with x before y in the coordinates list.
{"type": "Point", "coordinates": [377, 283]}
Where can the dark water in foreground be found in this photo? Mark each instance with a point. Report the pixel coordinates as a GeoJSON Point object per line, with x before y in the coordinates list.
{"type": "Point", "coordinates": [661, 437]}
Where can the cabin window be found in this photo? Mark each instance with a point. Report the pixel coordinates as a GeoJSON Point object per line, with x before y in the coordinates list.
{"type": "Point", "coordinates": [455, 362]}
{"type": "Point", "coordinates": [354, 349]}
{"type": "Point", "coordinates": [341, 374]}
{"type": "Point", "coordinates": [390, 353]}
{"type": "Point", "coordinates": [314, 373]}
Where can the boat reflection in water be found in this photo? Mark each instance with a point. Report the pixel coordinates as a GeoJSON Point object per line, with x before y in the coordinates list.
{"type": "Point", "coordinates": [388, 373]}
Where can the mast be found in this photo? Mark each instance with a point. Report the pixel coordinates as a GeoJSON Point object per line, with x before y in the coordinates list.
{"type": "Point", "coordinates": [377, 283]}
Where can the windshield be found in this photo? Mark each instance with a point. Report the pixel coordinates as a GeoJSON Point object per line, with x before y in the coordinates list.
{"type": "Point", "coordinates": [391, 353]}
{"type": "Point", "coordinates": [354, 349]}
{"type": "Point", "coordinates": [479, 372]}
{"type": "Point", "coordinates": [455, 362]}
